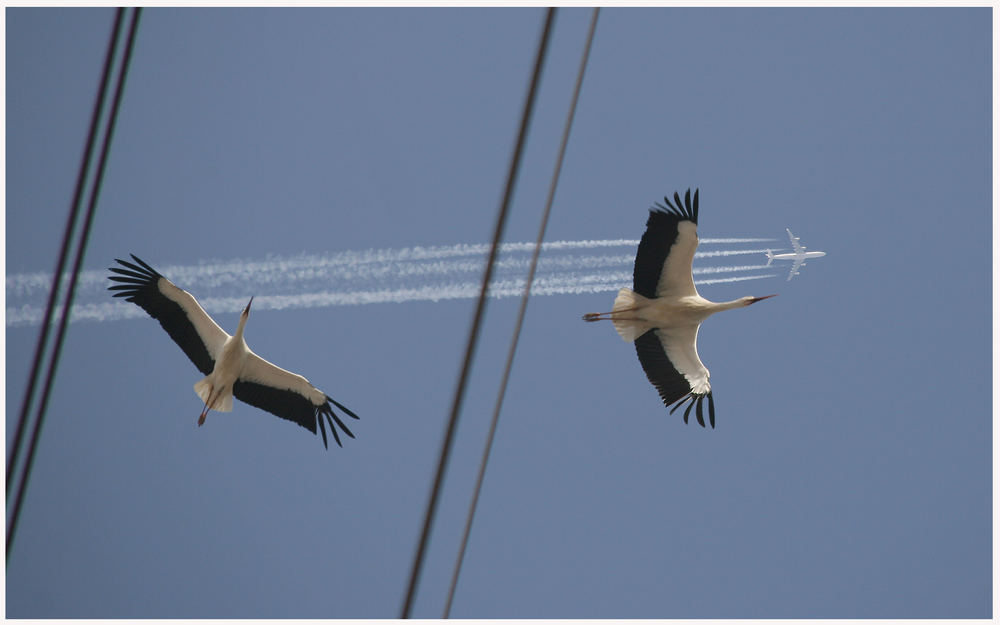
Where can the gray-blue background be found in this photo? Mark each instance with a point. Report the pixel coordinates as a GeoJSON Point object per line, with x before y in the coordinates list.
{"type": "Point", "coordinates": [850, 472]}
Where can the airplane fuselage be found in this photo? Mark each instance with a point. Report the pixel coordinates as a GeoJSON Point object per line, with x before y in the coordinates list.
{"type": "Point", "coordinates": [793, 256]}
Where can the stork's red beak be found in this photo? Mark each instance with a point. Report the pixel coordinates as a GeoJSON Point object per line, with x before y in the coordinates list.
{"type": "Point", "coordinates": [246, 310]}
{"type": "Point", "coordinates": [757, 299]}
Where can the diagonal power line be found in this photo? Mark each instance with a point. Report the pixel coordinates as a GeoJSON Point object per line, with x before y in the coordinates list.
{"type": "Point", "coordinates": [74, 211]}
{"type": "Point", "coordinates": [521, 311]}
{"type": "Point", "coordinates": [470, 348]}
{"type": "Point", "coordinates": [95, 190]}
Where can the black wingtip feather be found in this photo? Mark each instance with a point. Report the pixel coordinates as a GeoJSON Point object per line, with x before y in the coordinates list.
{"type": "Point", "coordinates": [342, 426]}
{"type": "Point", "coordinates": [333, 430]}
{"type": "Point", "coordinates": [126, 272]}
{"type": "Point", "coordinates": [688, 411]}
{"type": "Point", "coordinates": [144, 265]}
{"type": "Point", "coordinates": [136, 270]}
{"type": "Point", "coordinates": [333, 420]}
{"type": "Point", "coordinates": [693, 401]}
{"type": "Point", "coordinates": [322, 430]}
{"type": "Point", "coordinates": [680, 402]}
{"type": "Point", "coordinates": [344, 408]}
{"type": "Point", "coordinates": [682, 209]}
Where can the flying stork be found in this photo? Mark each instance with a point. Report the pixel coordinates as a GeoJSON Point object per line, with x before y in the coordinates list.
{"type": "Point", "coordinates": [662, 311]}
{"type": "Point", "coordinates": [230, 367]}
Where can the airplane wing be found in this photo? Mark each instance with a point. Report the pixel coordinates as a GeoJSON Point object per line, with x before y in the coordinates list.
{"type": "Point", "coordinates": [795, 242]}
{"type": "Point", "coordinates": [795, 269]}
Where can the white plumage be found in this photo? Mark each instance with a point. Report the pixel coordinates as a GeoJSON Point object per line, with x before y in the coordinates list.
{"type": "Point", "coordinates": [231, 368]}
{"type": "Point", "coordinates": [663, 311]}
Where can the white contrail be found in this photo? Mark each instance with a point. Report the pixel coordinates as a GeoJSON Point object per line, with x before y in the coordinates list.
{"type": "Point", "coordinates": [700, 270]}
{"type": "Point", "coordinates": [727, 253]}
{"type": "Point", "coordinates": [568, 285]}
{"type": "Point", "coordinates": [212, 273]}
{"type": "Point", "coordinates": [346, 278]}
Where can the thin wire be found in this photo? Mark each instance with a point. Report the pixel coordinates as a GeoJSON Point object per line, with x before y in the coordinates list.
{"type": "Point", "coordinates": [521, 312]}
{"type": "Point", "coordinates": [74, 211]}
{"type": "Point", "coordinates": [477, 318]}
{"type": "Point", "coordinates": [77, 264]}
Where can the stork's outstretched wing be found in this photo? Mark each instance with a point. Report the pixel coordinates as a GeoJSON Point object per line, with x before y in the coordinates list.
{"type": "Point", "coordinates": [289, 396]}
{"type": "Point", "coordinates": [663, 260]}
{"type": "Point", "coordinates": [670, 360]}
{"type": "Point", "coordinates": [178, 311]}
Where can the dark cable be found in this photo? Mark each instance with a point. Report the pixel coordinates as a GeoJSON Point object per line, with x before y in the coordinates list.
{"type": "Point", "coordinates": [77, 264]}
{"type": "Point", "coordinates": [74, 210]}
{"type": "Point", "coordinates": [526, 294]}
{"type": "Point", "coordinates": [470, 348]}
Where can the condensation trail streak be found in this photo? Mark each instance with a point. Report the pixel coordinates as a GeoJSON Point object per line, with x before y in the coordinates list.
{"type": "Point", "coordinates": [211, 272]}
{"type": "Point", "coordinates": [347, 278]}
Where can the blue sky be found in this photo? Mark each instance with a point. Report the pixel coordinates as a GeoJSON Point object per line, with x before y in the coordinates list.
{"type": "Point", "coordinates": [849, 474]}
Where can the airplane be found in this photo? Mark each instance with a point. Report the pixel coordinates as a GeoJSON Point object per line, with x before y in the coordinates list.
{"type": "Point", "coordinates": [799, 256]}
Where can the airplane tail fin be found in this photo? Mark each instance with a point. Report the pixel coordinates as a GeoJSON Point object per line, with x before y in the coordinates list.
{"type": "Point", "coordinates": [770, 257]}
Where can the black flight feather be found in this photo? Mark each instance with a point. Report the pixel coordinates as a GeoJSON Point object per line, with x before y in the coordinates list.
{"type": "Point", "coordinates": [290, 405]}
{"type": "Point", "coordinates": [659, 237]}
{"type": "Point", "coordinates": [140, 285]}
{"type": "Point", "coordinates": [677, 405]}
{"type": "Point", "coordinates": [670, 384]}
{"type": "Point", "coordinates": [688, 411]}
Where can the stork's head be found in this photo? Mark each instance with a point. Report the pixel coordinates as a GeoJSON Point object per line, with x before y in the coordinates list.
{"type": "Point", "coordinates": [749, 299]}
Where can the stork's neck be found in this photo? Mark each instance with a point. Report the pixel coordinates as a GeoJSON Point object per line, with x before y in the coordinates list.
{"type": "Point", "coordinates": [709, 307]}
{"type": "Point", "coordinates": [736, 303]}
{"type": "Point", "coordinates": [242, 325]}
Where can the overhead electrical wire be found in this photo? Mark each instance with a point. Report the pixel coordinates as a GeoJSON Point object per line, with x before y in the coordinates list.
{"type": "Point", "coordinates": [515, 335]}
{"type": "Point", "coordinates": [74, 211]}
{"type": "Point", "coordinates": [81, 247]}
{"type": "Point", "coordinates": [470, 348]}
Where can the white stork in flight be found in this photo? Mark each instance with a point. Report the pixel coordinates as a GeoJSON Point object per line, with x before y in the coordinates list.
{"type": "Point", "coordinates": [230, 367]}
{"type": "Point", "coordinates": [662, 311]}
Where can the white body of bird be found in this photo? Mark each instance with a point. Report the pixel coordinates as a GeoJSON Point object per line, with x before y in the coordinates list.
{"type": "Point", "coordinates": [663, 311]}
{"type": "Point", "coordinates": [216, 389]}
{"type": "Point", "coordinates": [231, 368]}
{"type": "Point", "coordinates": [678, 318]}
{"type": "Point", "coordinates": [634, 315]}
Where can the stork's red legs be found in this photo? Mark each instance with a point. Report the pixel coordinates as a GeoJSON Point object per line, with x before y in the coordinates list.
{"type": "Point", "coordinates": [212, 396]}
{"type": "Point", "coordinates": [608, 315]}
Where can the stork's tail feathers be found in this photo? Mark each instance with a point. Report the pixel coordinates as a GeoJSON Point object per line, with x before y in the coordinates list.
{"type": "Point", "coordinates": [770, 257]}
{"type": "Point", "coordinates": [203, 388]}
{"type": "Point", "coordinates": [628, 327]}
{"type": "Point", "coordinates": [623, 315]}
{"type": "Point", "coordinates": [223, 402]}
